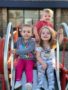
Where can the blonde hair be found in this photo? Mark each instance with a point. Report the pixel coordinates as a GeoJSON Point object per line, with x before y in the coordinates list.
{"type": "Point", "coordinates": [50, 11]}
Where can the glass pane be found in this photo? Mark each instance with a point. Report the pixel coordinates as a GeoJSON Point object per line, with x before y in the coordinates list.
{"type": "Point", "coordinates": [15, 16]}
{"type": "Point", "coordinates": [64, 15]}
{"type": "Point", "coordinates": [31, 16]}
{"type": "Point", "coordinates": [13, 21]}
{"type": "Point", "coordinates": [19, 13]}
{"type": "Point", "coordinates": [11, 14]}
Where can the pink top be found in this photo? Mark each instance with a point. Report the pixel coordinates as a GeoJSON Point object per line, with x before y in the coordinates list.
{"type": "Point", "coordinates": [41, 23]}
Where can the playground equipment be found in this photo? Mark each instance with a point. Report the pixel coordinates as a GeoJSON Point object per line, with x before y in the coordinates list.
{"type": "Point", "coordinates": [6, 49]}
{"type": "Point", "coordinates": [4, 44]}
{"type": "Point", "coordinates": [64, 71]}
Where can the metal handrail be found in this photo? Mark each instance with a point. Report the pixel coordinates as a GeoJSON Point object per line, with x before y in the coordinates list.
{"type": "Point", "coordinates": [6, 47]}
{"type": "Point", "coordinates": [58, 58]}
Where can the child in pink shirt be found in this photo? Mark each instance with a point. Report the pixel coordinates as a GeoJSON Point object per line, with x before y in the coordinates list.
{"type": "Point", "coordinates": [46, 20]}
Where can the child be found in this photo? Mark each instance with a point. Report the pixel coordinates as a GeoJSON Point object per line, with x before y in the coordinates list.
{"type": "Point", "coordinates": [45, 55]}
{"type": "Point", "coordinates": [25, 47]}
{"type": "Point", "coordinates": [46, 17]}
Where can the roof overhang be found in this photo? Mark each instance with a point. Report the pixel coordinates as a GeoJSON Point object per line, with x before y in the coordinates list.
{"type": "Point", "coordinates": [33, 4]}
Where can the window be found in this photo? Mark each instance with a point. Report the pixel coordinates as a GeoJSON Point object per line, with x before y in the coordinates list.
{"type": "Point", "coordinates": [23, 16]}
{"type": "Point", "coordinates": [15, 16]}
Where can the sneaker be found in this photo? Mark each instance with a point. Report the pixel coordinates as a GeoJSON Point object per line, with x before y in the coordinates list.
{"type": "Point", "coordinates": [41, 88]}
{"type": "Point", "coordinates": [18, 84]}
{"type": "Point", "coordinates": [28, 86]}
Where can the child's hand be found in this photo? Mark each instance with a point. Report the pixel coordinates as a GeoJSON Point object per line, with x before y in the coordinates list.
{"type": "Point", "coordinates": [13, 51]}
{"type": "Point", "coordinates": [44, 66]}
{"type": "Point", "coordinates": [60, 30]}
{"type": "Point", "coordinates": [37, 38]}
{"type": "Point", "coordinates": [60, 35]}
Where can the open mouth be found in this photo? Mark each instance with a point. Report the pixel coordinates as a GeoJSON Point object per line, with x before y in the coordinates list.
{"type": "Point", "coordinates": [47, 19]}
{"type": "Point", "coordinates": [45, 37]}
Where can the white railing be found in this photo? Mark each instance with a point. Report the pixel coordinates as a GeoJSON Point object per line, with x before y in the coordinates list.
{"type": "Point", "coordinates": [6, 49]}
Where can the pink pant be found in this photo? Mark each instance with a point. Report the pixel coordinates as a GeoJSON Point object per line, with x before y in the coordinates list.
{"type": "Point", "coordinates": [27, 66]}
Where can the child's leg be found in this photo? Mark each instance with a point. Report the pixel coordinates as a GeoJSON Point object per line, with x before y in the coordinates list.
{"type": "Point", "coordinates": [29, 70]}
{"type": "Point", "coordinates": [50, 76]}
{"type": "Point", "coordinates": [19, 70]}
{"type": "Point", "coordinates": [41, 77]}
{"type": "Point", "coordinates": [29, 74]}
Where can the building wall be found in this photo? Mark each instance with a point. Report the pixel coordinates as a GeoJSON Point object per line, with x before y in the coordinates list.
{"type": "Point", "coordinates": [57, 18]}
{"type": "Point", "coordinates": [3, 21]}
{"type": "Point", "coordinates": [1, 30]}
{"type": "Point", "coordinates": [64, 15]}
{"type": "Point", "coordinates": [28, 16]}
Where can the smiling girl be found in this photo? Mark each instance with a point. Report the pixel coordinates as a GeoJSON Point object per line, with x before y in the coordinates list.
{"type": "Point", "coordinates": [45, 56]}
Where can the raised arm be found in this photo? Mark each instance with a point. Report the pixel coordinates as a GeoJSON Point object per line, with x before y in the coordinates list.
{"type": "Point", "coordinates": [60, 34]}
{"type": "Point", "coordinates": [36, 34]}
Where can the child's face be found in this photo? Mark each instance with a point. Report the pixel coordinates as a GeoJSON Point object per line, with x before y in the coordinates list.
{"type": "Point", "coordinates": [46, 16]}
{"type": "Point", "coordinates": [26, 32]}
{"type": "Point", "coordinates": [45, 34]}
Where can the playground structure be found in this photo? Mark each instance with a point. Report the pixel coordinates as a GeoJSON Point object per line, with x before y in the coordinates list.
{"type": "Point", "coordinates": [4, 56]}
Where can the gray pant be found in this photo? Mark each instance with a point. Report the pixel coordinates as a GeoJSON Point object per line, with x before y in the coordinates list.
{"type": "Point", "coordinates": [46, 79]}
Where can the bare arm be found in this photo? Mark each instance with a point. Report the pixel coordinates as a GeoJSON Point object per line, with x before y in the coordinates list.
{"type": "Point", "coordinates": [53, 32]}
{"type": "Point", "coordinates": [36, 34]}
{"type": "Point", "coordinates": [39, 59]}
{"type": "Point", "coordinates": [60, 35]}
